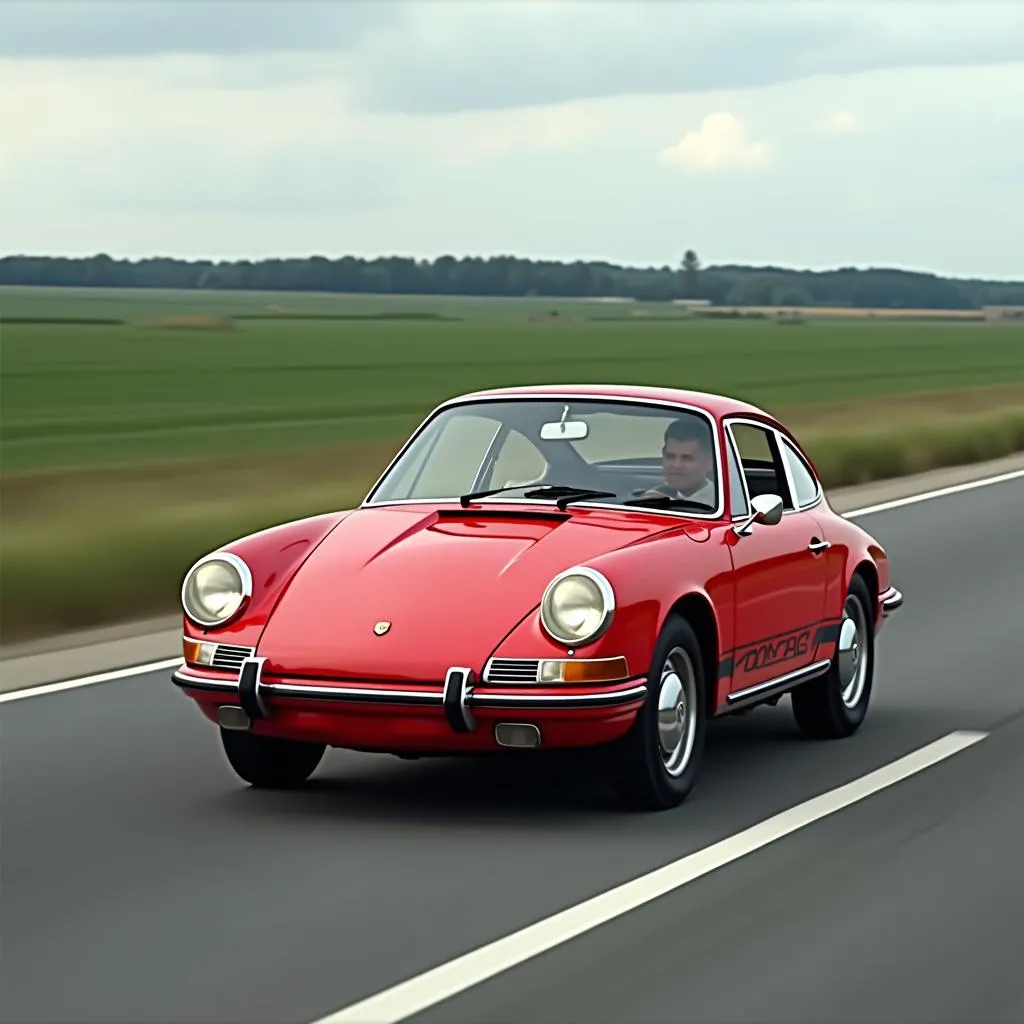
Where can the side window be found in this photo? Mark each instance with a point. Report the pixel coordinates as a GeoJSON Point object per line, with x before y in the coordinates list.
{"type": "Point", "coordinates": [758, 458]}
{"type": "Point", "coordinates": [737, 494]}
{"type": "Point", "coordinates": [805, 486]}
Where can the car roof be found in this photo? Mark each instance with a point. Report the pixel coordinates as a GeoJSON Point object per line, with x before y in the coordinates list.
{"type": "Point", "coordinates": [717, 405]}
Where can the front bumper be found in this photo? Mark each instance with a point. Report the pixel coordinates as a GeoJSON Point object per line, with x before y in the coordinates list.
{"type": "Point", "coordinates": [890, 600]}
{"type": "Point", "coordinates": [458, 696]}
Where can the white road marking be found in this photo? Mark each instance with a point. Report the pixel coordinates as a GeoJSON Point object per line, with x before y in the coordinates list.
{"type": "Point", "coordinates": [942, 492]}
{"type": "Point", "coordinates": [102, 677]}
{"type": "Point", "coordinates": [156, 666]}
{"type": "Point", "coordinates": [434, 986]}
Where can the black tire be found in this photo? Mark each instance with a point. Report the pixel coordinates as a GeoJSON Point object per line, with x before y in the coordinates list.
{"type": "Point", "coordinates": [643, 779]}
{"type": "Point", "coordinates": [268, 762]}
{"type": "Point", "coordinates": [819, 707]}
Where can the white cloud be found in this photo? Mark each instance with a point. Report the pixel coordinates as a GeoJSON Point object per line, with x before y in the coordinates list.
{"type": "Point", "coordinates": [535, 128]}
{"type": "Point", "coordinates": [843, 122]}
{"type": "Point", "coordinates": [721, 144]}
{"type": "Point", "coordinates": [131, 135]}
{"type": "Point", "coordinates": [424, 56]}
{"type": "Point", "coordinates": [114, 28]}
{"type": "Point", "coordinates": [562, 127]}
{"type": "Point", "coordinates": [864, 199]}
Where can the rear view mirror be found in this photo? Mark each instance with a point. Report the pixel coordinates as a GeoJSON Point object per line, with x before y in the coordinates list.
{"type": "Point", "coordinates": [564, 430]}
{"type": "Point", "coordinates": [767, 511]}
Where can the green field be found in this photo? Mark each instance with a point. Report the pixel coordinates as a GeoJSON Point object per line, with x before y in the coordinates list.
{"type": "Point", "coordinates": [138, 305]}
{"type": "Point", "coordinates": [85, 394]}
{"type": "Point", "coordinates": [130, 448]}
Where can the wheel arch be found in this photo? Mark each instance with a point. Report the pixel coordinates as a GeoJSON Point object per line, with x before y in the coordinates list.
{"type": "Point", "coordinates": [868, 572]}
{"type": "Point", "coordinates": [697, 610]}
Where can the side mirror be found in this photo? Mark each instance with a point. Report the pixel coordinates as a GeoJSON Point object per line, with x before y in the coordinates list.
{"type": "Point", "coordinates": [767, 511]}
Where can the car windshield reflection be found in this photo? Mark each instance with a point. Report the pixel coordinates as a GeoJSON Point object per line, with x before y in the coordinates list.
{"type": "Point", "coordinates": [645, 456]}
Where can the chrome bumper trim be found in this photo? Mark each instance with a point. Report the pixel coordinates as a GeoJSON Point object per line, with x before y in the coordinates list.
{"type": "Point", "coordinates": [891, 600]}
{"type": "Point", "coordinates": [593, 699]}
{"type": "Point", "coordinates": [415, 697]}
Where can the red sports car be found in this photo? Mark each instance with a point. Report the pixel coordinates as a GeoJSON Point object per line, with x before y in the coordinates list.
{"type": "Point", "coordinates": [546, 567]}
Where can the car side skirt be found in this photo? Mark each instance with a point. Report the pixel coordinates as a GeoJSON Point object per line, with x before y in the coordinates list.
{"type": "Point", "coordinates": [777, 686]}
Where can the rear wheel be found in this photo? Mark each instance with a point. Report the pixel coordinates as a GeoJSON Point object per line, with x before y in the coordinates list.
{"type": "Point", "coordinates": [268, 762]}
{"type": "Point", "coordinates": [657, 761]}
{"type": "Point", "coordinates": [835, 705]}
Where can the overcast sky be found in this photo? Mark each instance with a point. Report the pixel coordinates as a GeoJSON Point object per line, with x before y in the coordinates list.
{"type": "Point", "coordinates": [819, 133]}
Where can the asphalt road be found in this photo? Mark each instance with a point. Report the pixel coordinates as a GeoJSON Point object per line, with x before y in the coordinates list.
{"type": "Point", "coordinates": [142, 882]}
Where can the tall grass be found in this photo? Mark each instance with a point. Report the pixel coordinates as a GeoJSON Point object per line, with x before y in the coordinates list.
{"type": "Point", "coordinates": [94, 547]}
{"type": "Point", "coordinates": [131, 447]}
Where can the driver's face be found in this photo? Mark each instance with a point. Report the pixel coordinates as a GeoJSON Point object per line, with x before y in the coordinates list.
{"type": "Point", "coordinates": [685, 464]}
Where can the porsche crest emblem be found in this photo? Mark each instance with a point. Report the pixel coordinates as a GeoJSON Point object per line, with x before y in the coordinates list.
{"type": "Point", "coordinates": [381, 628]}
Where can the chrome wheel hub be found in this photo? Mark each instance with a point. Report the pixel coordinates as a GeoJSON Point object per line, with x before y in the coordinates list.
{"type": "Point", "coordinates": [852, 653]}
{"type": "Point", "coordinates": [677, 708]}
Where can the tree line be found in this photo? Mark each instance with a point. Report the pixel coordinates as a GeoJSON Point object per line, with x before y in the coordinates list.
{"type": "Point", "coordinates": [511, 276]}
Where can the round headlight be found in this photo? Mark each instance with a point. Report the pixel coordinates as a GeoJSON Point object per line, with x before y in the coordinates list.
{"type": "Point", "coordinates": [215, 588]}
{"type": "Point", "coordinates": [577, 606]}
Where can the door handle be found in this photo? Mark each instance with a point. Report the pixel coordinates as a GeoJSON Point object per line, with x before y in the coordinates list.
{"type": "Point", "coordinates": [818, 545]}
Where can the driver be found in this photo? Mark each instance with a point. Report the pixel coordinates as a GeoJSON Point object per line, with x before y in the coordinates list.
{"type": "Point", "coordinates": [686, 461]}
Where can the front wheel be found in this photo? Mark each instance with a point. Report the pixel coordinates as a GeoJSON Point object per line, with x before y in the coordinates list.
{"type": "Point", "coordinates": [835, 705]}
{"type": "Point", "coordinates": [268, 762]}
{"type": "Point", "coordinates": [657, 761]}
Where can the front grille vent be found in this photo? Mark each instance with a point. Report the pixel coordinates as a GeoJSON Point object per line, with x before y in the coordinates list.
{"type": "Point", "coordinates": [230, 657]}
{"type": "Point", "coordinates": [512, 670]}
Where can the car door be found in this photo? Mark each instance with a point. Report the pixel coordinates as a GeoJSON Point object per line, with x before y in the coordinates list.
{"type": "Point", "coordinates": [806, 493]}
{"type": "Point", "coordinates": [780, 575]}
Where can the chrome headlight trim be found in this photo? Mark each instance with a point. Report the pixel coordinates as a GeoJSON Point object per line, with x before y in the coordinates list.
{"type": "Point", "coordinates": [607, 608]}
{"type": "Point", "coordinates": [238, 566]}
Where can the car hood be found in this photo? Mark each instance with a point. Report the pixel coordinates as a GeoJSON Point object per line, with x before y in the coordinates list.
{"type": "Point", "coordinates": [452, 583]}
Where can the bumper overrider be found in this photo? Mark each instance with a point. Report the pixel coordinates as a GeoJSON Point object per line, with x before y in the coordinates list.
{"type": "Point", "coordinates": [457, 696]}
{"type": "Point", "coordinates": [890, 600]}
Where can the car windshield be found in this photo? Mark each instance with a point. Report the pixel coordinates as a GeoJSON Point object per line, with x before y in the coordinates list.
{"type": "Point", "coordinates": [660, 456]}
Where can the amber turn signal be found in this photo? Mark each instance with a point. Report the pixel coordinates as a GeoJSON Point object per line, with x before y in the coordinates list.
{"type": "Point", "coordinates": [598, 670]}
{"type": "Point", "coordinates": [196, 652]}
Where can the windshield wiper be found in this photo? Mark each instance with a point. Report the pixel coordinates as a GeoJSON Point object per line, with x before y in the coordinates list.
{"type": "Point", "coordinates": [562, 493]}
{"type": "Point", "coordinates": [667, 501]}
{"type": "Point", "coordinates": [566, 494]}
